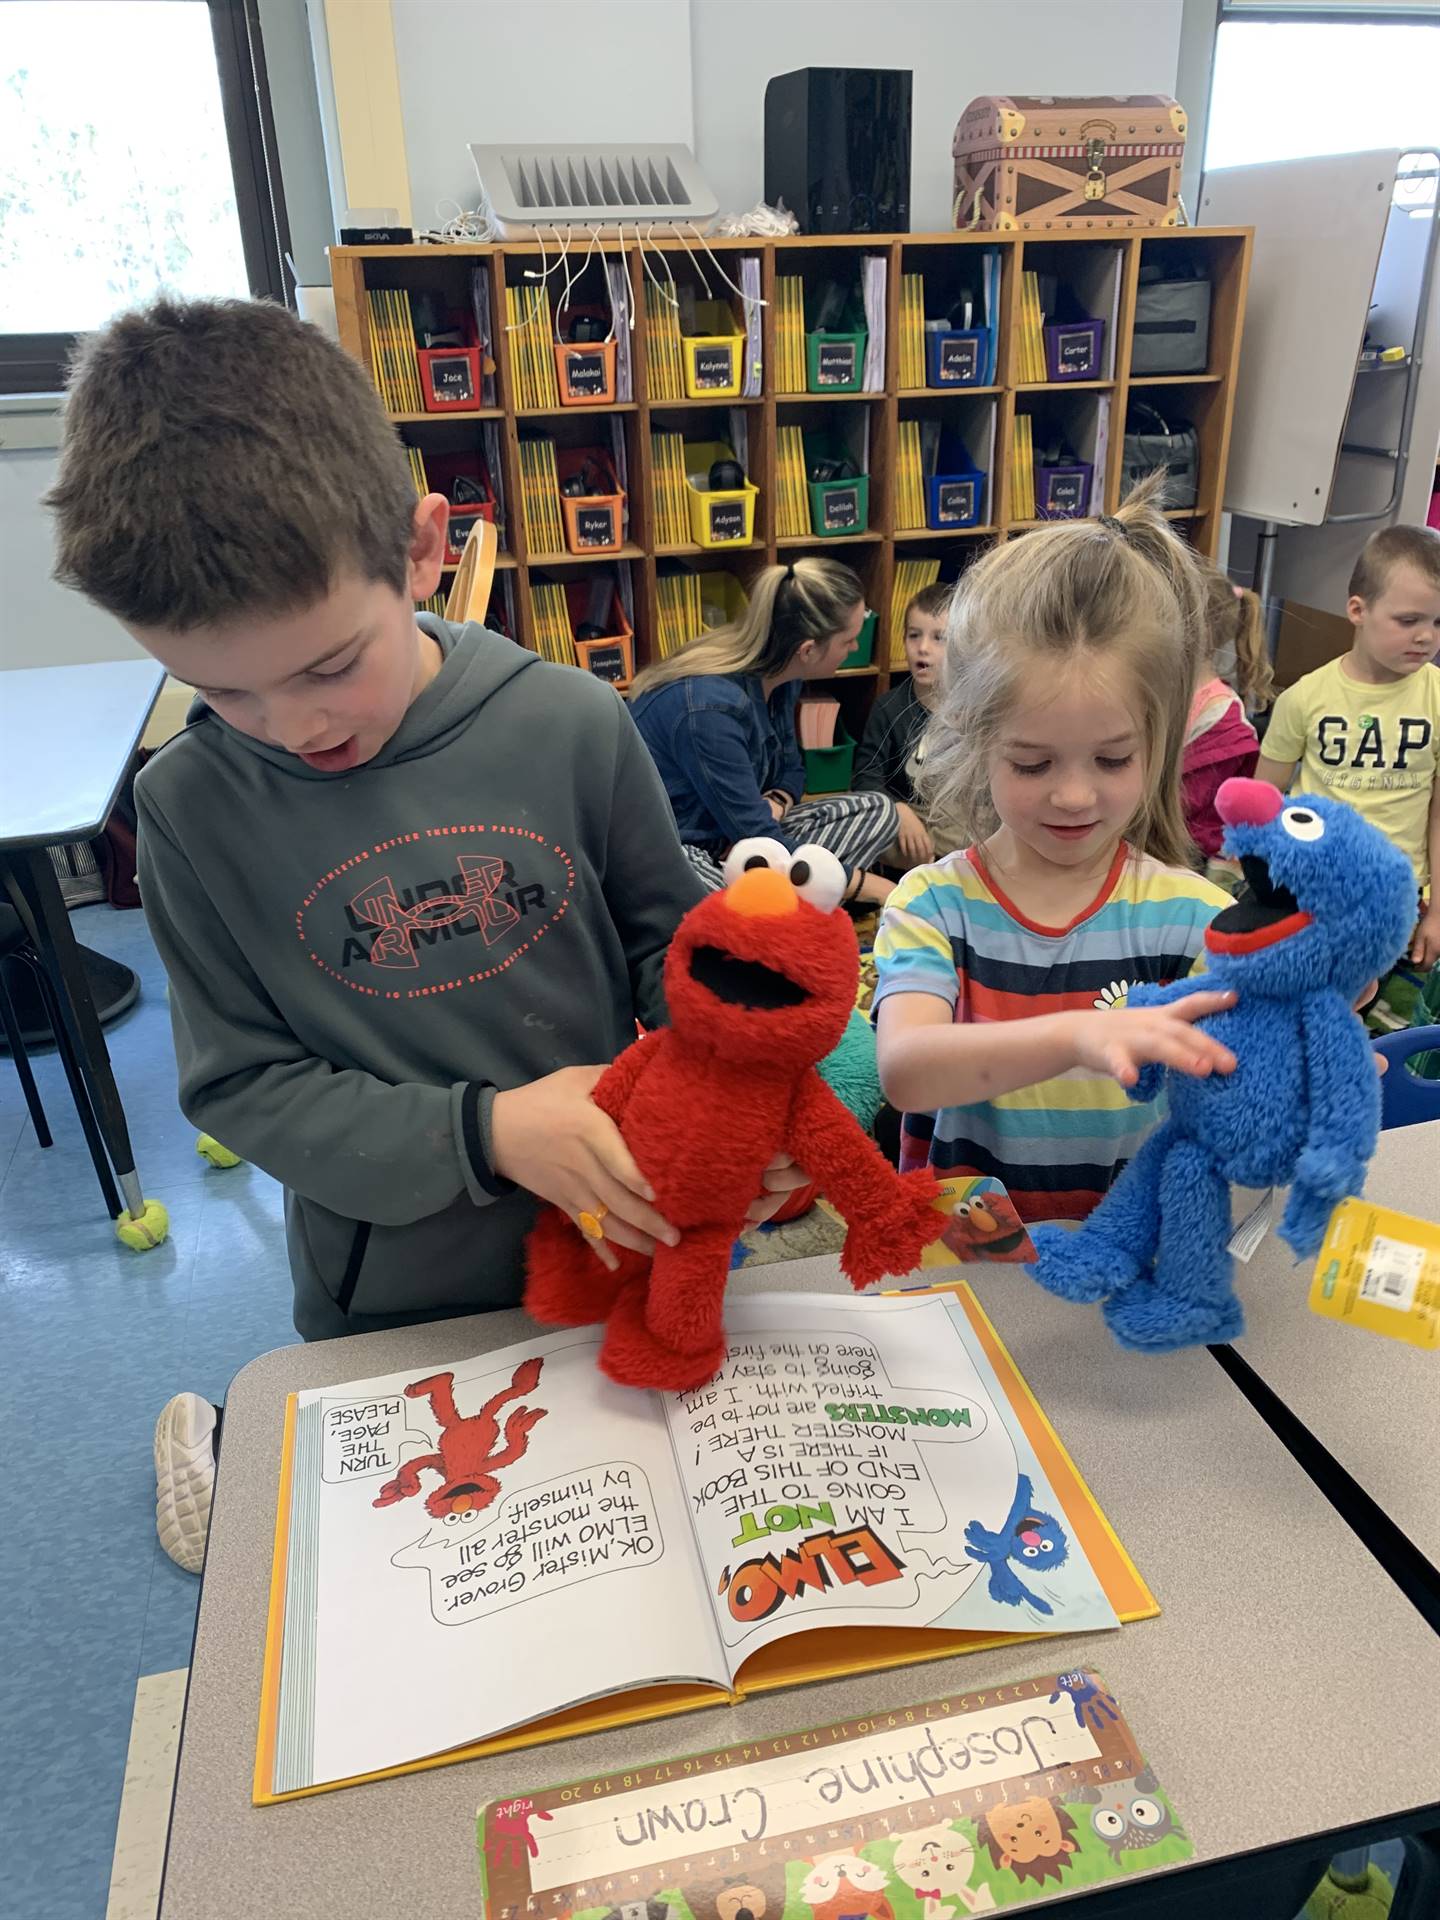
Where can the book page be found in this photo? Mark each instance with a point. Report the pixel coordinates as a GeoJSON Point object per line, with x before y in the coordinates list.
{"type": "Point", "coordinates": [470, 1548]}
{"type": "Point", "coordinates": [857, 1462]}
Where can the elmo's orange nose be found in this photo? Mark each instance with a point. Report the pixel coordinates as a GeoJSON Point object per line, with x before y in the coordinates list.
{"type": "Point", "coordinates": [982, 1220]}
{"type": "Point", "coordinates": [462, 1503]}
{"type": "Point", "coordinates": [762, 893]}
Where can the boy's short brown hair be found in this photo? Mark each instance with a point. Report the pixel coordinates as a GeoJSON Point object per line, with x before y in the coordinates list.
{"type": "Point", "coordinates": [1392, 547]}
{"type": "Point", "coordinates": [933, 602]}
{"type": "Point", "coordinates": [221, 458]}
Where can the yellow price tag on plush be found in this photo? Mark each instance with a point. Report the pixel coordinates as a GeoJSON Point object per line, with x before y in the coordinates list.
{"type": "Point", "coordinates": [1380, 1270]}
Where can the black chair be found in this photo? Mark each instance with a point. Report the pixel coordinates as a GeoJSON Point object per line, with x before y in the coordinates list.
{"type": "Point", "coordinates": [16, 951]}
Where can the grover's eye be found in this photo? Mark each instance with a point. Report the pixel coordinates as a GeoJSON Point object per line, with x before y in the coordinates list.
{"type": "Point", "coordinates": [1031, 1553]}
{"type": "Point", "coordinates": [1301, 824]}
{"type": "Point", "coordinates": [817, 876]}
{"type": "Point", "coordinates": [754, 853]}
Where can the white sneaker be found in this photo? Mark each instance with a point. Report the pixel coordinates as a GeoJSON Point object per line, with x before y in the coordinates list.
{"type": "Point", "coordinates": [184, 1478]}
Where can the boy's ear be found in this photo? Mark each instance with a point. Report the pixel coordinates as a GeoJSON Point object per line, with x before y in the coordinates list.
{"type": "Point", "coordinates": [1355, 609]}
{"type": "Point", "coordinates": [427, 545]}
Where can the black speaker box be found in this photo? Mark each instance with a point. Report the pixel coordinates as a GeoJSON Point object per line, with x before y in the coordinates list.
{"type": "Point", "coordinates": [837, 148]}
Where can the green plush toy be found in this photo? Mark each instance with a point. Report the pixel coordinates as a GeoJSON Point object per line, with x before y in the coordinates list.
{"type": "Point", "coordinates": [851, 1072]}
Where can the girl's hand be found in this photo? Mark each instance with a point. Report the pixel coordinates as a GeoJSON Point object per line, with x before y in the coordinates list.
{"type": "Point", "coordinates": [1120, 1043]}
{"type": "Point", "coordinates": [914, 842]}
{"type": "Point", "coordinates": [1426, 950]}
{"type": "Point", "coordinates": [550, 1138]}
{"type": "Point", "coordinates": [779, 804]}
{"type": "Point", "coordinates": [782, 1178]}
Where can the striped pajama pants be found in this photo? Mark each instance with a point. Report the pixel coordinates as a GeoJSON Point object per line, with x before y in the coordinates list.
{"type": "Point", "coordinates": [856, 827]}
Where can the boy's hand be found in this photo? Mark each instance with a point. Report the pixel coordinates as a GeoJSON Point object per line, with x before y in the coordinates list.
{"type": "Point", "coordinates": [1121, 1042]}
{"type": "Point", "coordinates": [916, 846]}
{"type": "Point", "coordinates": [551, 1138]}
{"type": "Point", "coordinates": [1426, 950]}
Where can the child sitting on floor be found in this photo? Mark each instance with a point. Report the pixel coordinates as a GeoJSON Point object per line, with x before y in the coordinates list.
{"type": "Point", "coordinates": [892, 750]}
{"type": "Point", "coordinates": [1220, 743]}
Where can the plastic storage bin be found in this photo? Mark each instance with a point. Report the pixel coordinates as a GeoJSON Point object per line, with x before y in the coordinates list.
{"type": "Point", "coordinates": [1074, 350]}
{"type": "Point", "coordinates": [1063, 492]}
{"type": "Point", "coordinates": [715, 358]}
{"type": "Point", "coordinates": [594, 520]}
{"type": "Point", "coordinates": [830, 769]}
{"type": "Point", "coordinates": [954, 499]}
{"type": "Point", "coordinates": [585, 373]}
{"type": "Point", "coordinates": [835, 362]}
{"type": "Point", "coordinates": [450, 378]}
{"type": "Point", "coordinates": [863, 651]}
{"type": "Point", "coordinates": [609, 656]}
{"type": "Point", "coordinates": [723, 594]}
{"type": "Point", "coordinates": [722, 519]}
{"type": "Point", "coordinates": [958, 357]}
{"type": "Point", "coordinates": [838, 507]}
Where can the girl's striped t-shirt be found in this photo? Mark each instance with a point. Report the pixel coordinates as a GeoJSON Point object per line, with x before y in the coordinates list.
{"type": "Point", "coordinates": [950, 931]}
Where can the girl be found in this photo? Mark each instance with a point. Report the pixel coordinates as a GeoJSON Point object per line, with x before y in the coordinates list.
{"type": "Point", "coordinates": [1220, 743]}
{"type": "Point", "coordinates": [719, 720]}
{"type": "Point", "coordinates": [1003, 969]}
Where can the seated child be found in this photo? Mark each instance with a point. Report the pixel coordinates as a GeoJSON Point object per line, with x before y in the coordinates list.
{"type": "Point", "coordinates": [1364, 727]}
{"type": "Point", "coordinates": [1220, 743]}
{"type": "Point", "coordinates": [1003, 970]}
{"type": "Point", "coordinates": [892, 750]}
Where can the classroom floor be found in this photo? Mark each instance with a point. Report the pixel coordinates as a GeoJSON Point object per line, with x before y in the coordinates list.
{"type": "Point", "coordinates": [101, 1338]}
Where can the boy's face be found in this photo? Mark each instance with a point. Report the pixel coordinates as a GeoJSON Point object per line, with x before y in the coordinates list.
{"type": "Point", "coordinates": [331, 682]}
{"type": "Point", "coordinates": [924, 649]}
{"type": "Point", "coordinates": [1398, 631]}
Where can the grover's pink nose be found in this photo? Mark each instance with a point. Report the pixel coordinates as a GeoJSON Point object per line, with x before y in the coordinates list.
{"type": "Point", "coordinates": [1248, 803]}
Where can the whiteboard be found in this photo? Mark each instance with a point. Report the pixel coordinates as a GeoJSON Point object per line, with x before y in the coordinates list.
{"type": "Point", "coordinates": [1319, 226]}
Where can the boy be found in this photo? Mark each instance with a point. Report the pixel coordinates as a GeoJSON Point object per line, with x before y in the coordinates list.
{"type": "Point", "coordinates": [412, 885]}
{"type": "Point", "coordinates": [890, 753]}
{"type": "Point", "coordinates": [1364, 727]}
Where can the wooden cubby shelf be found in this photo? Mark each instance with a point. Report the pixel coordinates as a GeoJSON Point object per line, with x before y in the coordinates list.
{"type": "Point", "coordinates": [1101, 268]}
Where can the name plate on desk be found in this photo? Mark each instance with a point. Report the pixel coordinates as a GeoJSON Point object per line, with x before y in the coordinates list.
{"type": "Point", "coordinates": [968, 1804]}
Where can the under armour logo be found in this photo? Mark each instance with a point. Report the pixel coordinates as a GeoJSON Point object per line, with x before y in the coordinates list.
{"type": "Point", "coordinates": [394, 945]}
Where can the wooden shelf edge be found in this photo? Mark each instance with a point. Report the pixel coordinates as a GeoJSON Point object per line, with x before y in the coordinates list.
{"type": "Point", "coordinates": [628, 552]}
{"type": "Point", "coordinates": [1065, 386]}
{"type": "Point", "coordinates": [943, 533]}
{"type": "Point", "coordinates": [827, 539]}
{"type": "Point", "coordinates": [1175, 379]}
{"type": "Point", "coordinates": [451, 414]}
{"type": "Point", "coordinates": [573, 413]}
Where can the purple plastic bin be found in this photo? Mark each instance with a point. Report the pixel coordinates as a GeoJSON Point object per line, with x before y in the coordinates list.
{"type": "Point", "coordinates": [1074, 349]}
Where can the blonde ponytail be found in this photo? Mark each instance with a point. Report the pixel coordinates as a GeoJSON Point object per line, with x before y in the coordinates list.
{"type": "Point", "coordinates": [1235, 617]}
{"type": "Point", "coordinates": [809, 600]}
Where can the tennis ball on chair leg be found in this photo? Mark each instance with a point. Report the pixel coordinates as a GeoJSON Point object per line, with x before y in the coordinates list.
{"type": "Point", "coordinates": [210, 1149]}
{"type": "Point", "coordinates": [140, 1232]}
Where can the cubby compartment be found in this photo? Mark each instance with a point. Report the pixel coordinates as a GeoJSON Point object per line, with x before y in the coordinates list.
{"type": "Point", "coordinates": [1066, 312]}
{"type": "Point", "coordinates": [427, 335]}
{"type": "Point", "coordinates": [823, 460]}
{"type": "Point", "coordinates": [693, 596]}
{"type": "Point", "coordinates": [1060, 458]}
{"type": "Point", "coordinates": [465, 461]}
{"type": "Point", "coordinates": [568, 335]}
{"type": "Point", "coordinates": [944, 463]}
{"type": "Point", "coordinates": [575, 485]}
{"type": "Point", "coordinates": [1190, 288]}
{"type": "Point", "coordinates": [829, 321]}
{"type": "Point", "coordinates": [690, 448]}
{"type": "Point", "coordinates": [704, 326]}
{"type": "Point", "coordinates": [948, 316]}
{"type": "Point", "coordinates": [585, 617]}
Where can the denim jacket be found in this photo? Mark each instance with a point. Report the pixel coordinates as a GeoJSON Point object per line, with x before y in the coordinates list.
{"type": "Point", "coordinates": [721, 747]}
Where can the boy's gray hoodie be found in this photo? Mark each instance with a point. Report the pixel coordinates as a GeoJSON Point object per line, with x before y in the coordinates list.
{"type": "Point", "coordinates": [354, 957]}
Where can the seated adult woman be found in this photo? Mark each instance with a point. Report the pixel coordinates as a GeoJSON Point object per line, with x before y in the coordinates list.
{"type": "Point", "coordinates": [719, 720]}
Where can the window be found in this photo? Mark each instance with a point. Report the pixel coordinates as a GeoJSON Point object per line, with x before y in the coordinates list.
{"type": "Point", "coordinates": [136, 153]}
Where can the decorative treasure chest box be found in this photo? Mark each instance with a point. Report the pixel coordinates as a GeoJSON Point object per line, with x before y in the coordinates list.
{"type": "Point", "coordinates": [1037, 162]}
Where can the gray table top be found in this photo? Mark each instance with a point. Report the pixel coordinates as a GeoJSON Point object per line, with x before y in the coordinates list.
{"type": "Point", "coordinates": [69, 735]}
{"type": "Point", "coordinates": [1374, 1403]}
{"type": "Point", "coordinates": [1275, 1695]}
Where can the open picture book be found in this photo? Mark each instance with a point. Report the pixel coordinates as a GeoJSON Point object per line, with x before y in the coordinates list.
{"type": "Point", "coordinates": [511, 1549]}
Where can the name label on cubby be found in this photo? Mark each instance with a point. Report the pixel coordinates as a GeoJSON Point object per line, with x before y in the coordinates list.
{"type": "Point", "coordinates": [956, 502]}
{"type": "Point", "coordinates": [584, 375]}
{"type": "Point", "coordinates": [1076, 351]}
{"type": "Point", "coordinates": [1064, 494]}
{"type": "Point", "coordinates": [726, 519]}
{"type": "Point", "coordinates": [840, 508]}
{"type": "Point", "coordinates": [836, 363]}
{"type": "Point", "coordinates": [450, 380]}
{"type": "Point", "coordinates": [605, 662]}
{"type": "Point", "coordinates": [959, 360]}
{"type": "Point", "coordinates": [459, 528]}
{"type": "Point", "coordinates": [715, 366]}
{"type": "Point", "coordinates": [595, 527]}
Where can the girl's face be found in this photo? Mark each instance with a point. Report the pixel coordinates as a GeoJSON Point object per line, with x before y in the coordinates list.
{"type": "Point", "coordinates": [1067, 773]}
{"type": "Point", "coordinates": [818, 659]}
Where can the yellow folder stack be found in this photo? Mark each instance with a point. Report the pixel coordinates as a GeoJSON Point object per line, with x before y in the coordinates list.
{"type": "Point", "coordinates": [392, 349]}
{"type": "Point", "coordinates": [912, 330]}
{"type": "Point", "coordinates": [789, 334]}
{"type": "Point", "coordinates": [678, 599]}
{"type": "Point", "coordinates": [1032, 329]}
{"type": "Point", "coordinates": [527, 314]}
{"type": "Point", "coordinates": [417, 472]}
{"type": "Point", "coordinates": [540, 492]}
{"type": "Point", "coordinates": [554, 636]}
{"type": "Point", "coordinates": [665, 362]}
{"type": "Point", "coordinates": [792, 501]}
{"type": "Point", "coordinates": [911, 577]}
{"type": "Point", "coordinates": [669, 508]}
{"type": "Point", "coordinates": [909, 480]}
{"type": "Point", "coordinates": [1022, 470]}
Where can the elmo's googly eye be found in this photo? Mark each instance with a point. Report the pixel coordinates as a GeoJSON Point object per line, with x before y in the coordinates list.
{"type": "Point", "coordinates": [817, 876]}
{"type": "Point", "coordinates": [746, 854]}
{"type": "Point", "coordinates": [1301, 824]}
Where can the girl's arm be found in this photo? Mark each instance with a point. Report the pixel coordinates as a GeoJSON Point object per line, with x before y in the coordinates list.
{"type": "Point", "coordinates": [926, 1062]}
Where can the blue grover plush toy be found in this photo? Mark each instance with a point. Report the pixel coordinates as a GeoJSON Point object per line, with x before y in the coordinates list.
{"type": "Point", "coordinates": [1332, 904]}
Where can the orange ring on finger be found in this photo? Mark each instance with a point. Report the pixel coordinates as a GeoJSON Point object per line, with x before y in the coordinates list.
{"type": "Point", "coordinates": [592, 1225]}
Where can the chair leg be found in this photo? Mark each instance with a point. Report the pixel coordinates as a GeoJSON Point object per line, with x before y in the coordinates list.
{"type": "Point", "coordinates": [22, 1062]}
{"type": "Point", "coordinates": [80, 1094]}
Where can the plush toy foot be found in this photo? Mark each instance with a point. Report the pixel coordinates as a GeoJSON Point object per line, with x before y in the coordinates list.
{"type": "Point", "coordinates": [633, 1357]}
{"type": "Point", "coordinates": [1306, 1217]}
{"type": "Point", "coordinates": [1080, 1265]}
{"type": "Point", "coordinates": [142, 1231]}
{"type": "Point", "coordinates": [565, 1285]}
{"type": "Point", "coordinates": [891, 1242]}
{"type": "Point", "coordinates": [1150, 1320]}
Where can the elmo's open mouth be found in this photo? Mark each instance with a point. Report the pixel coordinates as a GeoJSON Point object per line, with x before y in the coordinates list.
{"type": "Point", "coordinates": [1003, 1243]}
{"type": "Point", "coordinates": [1270, 915]}
{"type": "Point", "coordinates": [744, 983]}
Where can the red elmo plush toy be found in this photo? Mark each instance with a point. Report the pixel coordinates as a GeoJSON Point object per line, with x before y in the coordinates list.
{"type": "Point", "coordinates": [760, 980]}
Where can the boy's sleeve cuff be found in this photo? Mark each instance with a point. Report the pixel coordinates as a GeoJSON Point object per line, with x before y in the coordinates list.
{"type": "Point", "coordinates": [476, 1099]}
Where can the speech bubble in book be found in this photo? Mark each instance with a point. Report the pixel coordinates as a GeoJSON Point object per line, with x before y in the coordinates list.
{"type": "Point", "coordinates": [365, 1438]}
{"type": "Point", "coordinates": [552, 1534]}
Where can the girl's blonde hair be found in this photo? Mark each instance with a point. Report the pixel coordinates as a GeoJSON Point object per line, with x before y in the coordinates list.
{"type": "Point", "coordinates": [809, 600]}
{"type": "Point", "coordinates": [1234, 617]}
{"type": "Point", "coordinates": [1121, 592]}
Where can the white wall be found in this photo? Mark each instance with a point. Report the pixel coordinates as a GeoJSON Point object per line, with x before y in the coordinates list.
{"type": "Point", "coordinates": [42, 625]}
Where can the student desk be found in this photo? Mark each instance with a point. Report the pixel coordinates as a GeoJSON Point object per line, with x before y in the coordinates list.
{"type": "Point", "coordinates": [1360, 1411]}
{"type": "Point", "coordinates": [69, 734]}
{"type": "Point", "coordinates": [1283, 1696]}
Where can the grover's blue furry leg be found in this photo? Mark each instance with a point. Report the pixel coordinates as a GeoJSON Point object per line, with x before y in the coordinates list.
{"type": "Point", "coordinates": [1190, 1300]}
{"type": "Point", "coordinates": [1118, 1241]}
